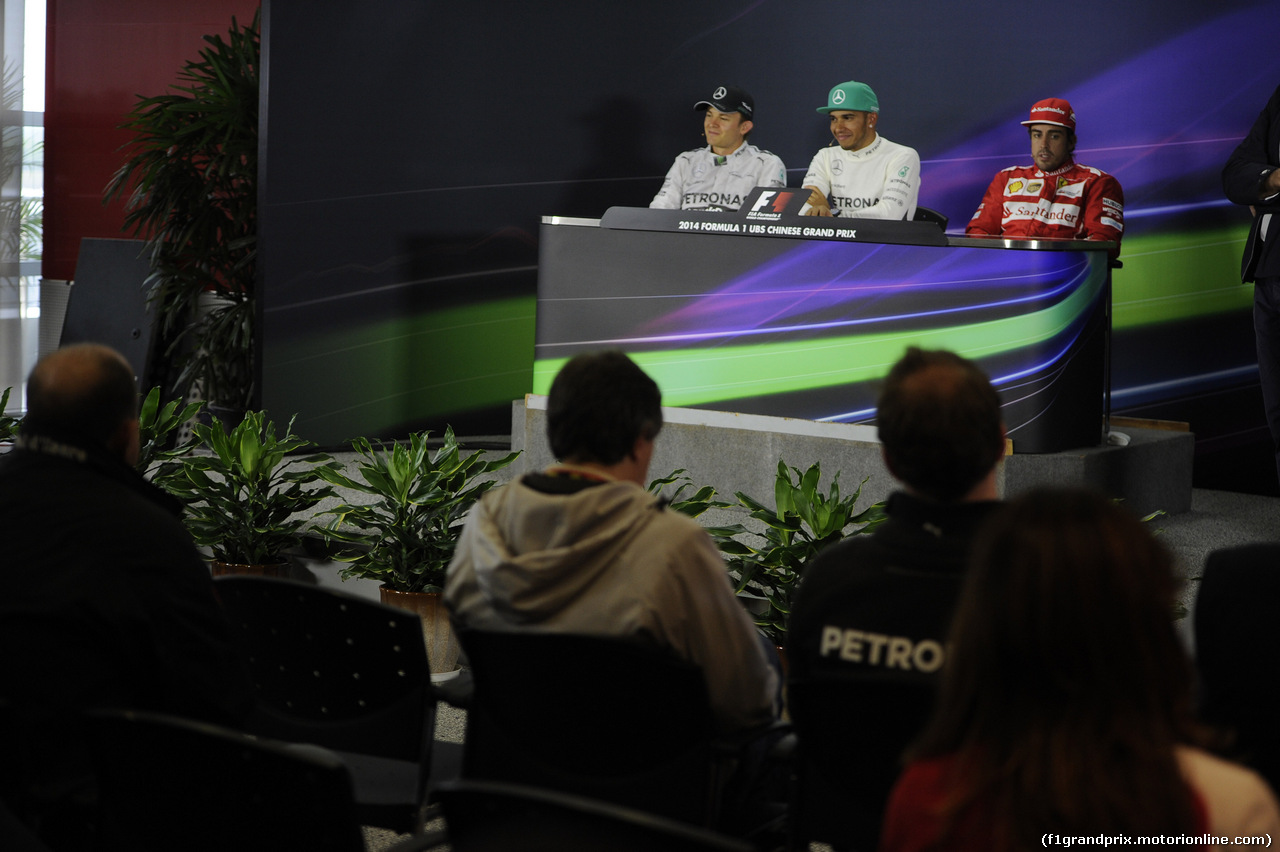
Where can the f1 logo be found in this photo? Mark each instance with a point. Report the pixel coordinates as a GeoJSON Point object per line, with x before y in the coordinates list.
{"type": "Point", "coordinates": [764, 200]}
{"type": "Point", "coordinates": [771, 198]}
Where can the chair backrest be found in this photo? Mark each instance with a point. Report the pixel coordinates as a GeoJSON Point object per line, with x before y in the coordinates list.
{"type": "Point", "coordinates": [928, 214]}
{"type": "Point", "coordinates": [167, 783]}
{"type": "Point", "coordinates": [15, 836]}
{"type": "Point", "coordinates": [1234, 619]}
{"type": "Point", "coordinates": [496, 817]}
{"type": "Point", "coordinates": [599, 716]}
{"type": "Point", "coordinates": [331, 668]}
{"type": "Point", "coordinates": [851, 732]}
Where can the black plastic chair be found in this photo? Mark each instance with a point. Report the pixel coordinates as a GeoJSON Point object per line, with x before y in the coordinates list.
{"type": "Point", "coordinates": [484, 816]}
{"type": "Point", "coordinates": [1234, 619]}
{"type": "Point", "coordinates": [600, 717]}
{"type": "Point", "coordinates": [167, 783]}
{"type": "Point", "coordinates": [928, 214]}
{"type": "Point", "coordinates": [348, 674]}
{"type": "Point", "coordinates": [850, 734]}
{"type": "Point", "coordinates": [15, 836]}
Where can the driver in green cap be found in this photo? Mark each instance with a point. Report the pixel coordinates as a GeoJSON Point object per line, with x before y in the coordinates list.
{"type": "Point", "coordinates": [863, 175]}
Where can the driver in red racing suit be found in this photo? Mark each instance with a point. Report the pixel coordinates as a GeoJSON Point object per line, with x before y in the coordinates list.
{"type": "Point", "coordinates": [1055, 197]}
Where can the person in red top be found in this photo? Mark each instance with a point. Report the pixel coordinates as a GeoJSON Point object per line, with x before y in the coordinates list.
{"type": "Point", "coordinates": [1055, 197]}
{"type": "Point", "coordinates": [1066, 704]}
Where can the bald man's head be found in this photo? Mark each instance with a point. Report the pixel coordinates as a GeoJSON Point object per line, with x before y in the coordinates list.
{"type": "Point", "coordinates": [85, 392]}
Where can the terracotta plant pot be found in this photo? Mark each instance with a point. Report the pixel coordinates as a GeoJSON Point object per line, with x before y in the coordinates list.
{"type": "Point", "coordinates": [442, 644]}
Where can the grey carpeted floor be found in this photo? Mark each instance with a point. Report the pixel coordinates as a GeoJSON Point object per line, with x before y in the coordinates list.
{"type": "Point", "coordinates": [1218, 519]}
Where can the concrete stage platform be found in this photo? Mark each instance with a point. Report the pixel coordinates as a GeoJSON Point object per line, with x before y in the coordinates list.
{"type": "Point", "coordinates": [740, 452]}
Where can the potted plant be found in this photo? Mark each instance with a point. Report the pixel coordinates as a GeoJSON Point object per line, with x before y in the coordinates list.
{"type": "Point", "coordinates": [765, 565]}
{"type": "Point", "coordinates": [190, 190]}
{"type": "Point", "coordinates": [156, 427]}
{"type": "Point", "coordinates": [246, 501]}
{"type": "Point", "coordinates": [404, 537]}
{"type": "Point", "coordinates": [8, 424]}
{"type": "Point", "coordinates": [803, 522]}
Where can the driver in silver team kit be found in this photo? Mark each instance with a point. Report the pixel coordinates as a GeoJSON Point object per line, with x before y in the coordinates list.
{"type": "Point", "coordinates": [719, 175]}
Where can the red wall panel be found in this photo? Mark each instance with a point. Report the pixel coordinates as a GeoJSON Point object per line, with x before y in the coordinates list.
{"type": "Point", "coordinates": [101, 55]}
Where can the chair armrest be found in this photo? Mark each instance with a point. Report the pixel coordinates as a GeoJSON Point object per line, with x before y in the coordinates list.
{"type": "Point", "coordinates": [434, 839]}
{"type": "Point", "coordinates": [783, 749]}
{"type": "Point", "coordinates": [730, 744]}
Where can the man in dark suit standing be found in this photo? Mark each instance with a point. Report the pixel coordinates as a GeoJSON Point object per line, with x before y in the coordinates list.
{"type": "Point", "coordinates": [1252, 177]}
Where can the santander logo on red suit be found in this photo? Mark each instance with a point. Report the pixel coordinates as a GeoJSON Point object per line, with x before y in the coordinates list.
{"type": "Point", "coordinates": [1045, 211]}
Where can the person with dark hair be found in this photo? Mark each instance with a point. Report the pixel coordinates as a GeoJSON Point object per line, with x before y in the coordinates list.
{"type": "Point", "coordinates": [599, 405]}
{"type": "Point", "coordinates": [720, 174]}
{"type": "Point", "coordinates": [104, 600]}
{"type": "Point", "coordinates": [874, 609]}
{"type": "Point", "coordinates": [1055, 196]}
{"type": "Point", "coordinates": [942, 436]}
{"type": "Point", "coordinates": [582, 547]}
{"type": "Point", "coordinates": [938, 419]}
{"type": "Point", "coordinates": [1066, 704]}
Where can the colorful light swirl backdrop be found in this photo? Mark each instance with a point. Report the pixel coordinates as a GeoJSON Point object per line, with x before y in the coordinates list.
{"type": "Point", "coordinates": [1159, 123]}
{"type": "Point", "coordinates": [411, 149]}
{"type": "Point", "coordinates": [1163, 122]}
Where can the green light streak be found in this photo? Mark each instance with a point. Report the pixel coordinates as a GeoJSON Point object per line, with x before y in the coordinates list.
{"type": "Point", "coordinates": [410, 368]}
{"type": "Point", "coordinates": [1179, 276]}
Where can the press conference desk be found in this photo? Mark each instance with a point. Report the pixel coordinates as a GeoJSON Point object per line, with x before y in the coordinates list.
{"type": "Point", "coordinates": [801, 317]}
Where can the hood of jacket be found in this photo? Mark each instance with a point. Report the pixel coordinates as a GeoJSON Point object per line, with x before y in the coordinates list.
{"type": "Point", "coordinates": [532, 553]}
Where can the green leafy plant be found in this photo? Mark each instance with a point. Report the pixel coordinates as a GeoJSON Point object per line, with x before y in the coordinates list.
{"type": "Point", "coordinates": [190, 190]}
{"type": "Point", "coordinates": [405, 536]}
{"type": "Point", "coordinates": [803, 522]}
{"type": "Point", "coordinates": [679, 500]}
{"type": "Point", "coordinates": [8, 424]}
{"type": "Point", "coordinates": [156, 425]}
{"type": "Point", "coordinates": [245, 501]}
{"type": "Point", "coordinates": [765, 565]}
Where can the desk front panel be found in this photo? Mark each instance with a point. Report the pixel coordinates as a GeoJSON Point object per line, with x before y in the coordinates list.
{"type": "Point", "coordinates": [808, 328]}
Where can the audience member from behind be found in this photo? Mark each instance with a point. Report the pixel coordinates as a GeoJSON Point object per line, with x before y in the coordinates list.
{"type": "Point", "coordinates": [884, 601]}
{"type": "Point", "coordinates": [1066, 703]}
{"type": "Point", "coordinates": [582, 547]}
{"type": "Point", "coordinates": [876, 608]}
{"type": "Point", "coordinates": [106, 602]}
{"type": "Point", "coordinates": [1055, 196]}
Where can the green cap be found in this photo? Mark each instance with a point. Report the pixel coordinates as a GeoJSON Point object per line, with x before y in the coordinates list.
{"type": "Point", "coordinates": [852, 96]}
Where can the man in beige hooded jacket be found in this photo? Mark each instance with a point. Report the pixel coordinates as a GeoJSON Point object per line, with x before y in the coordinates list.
{"type": "Point", "coordinates": [582, 547]}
